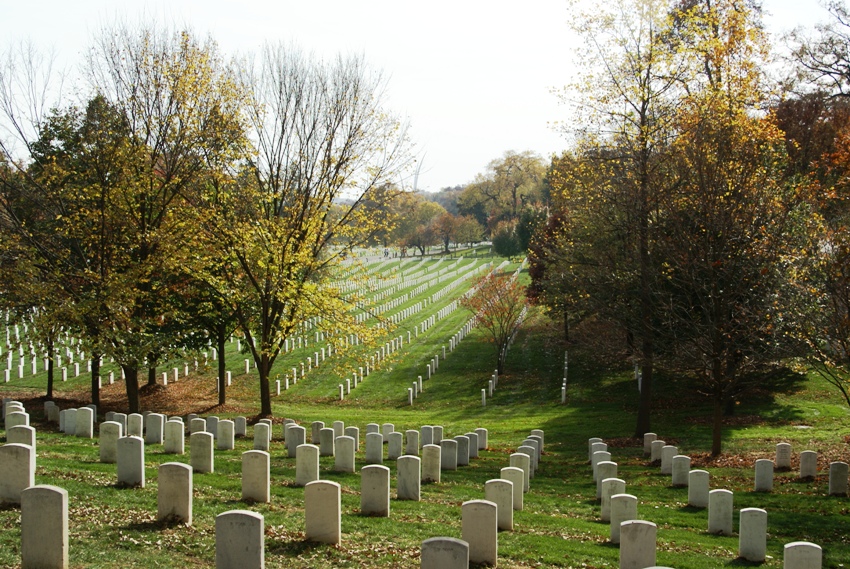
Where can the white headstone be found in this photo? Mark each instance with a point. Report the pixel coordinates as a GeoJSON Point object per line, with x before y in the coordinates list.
{"type": "Point", "coordinates": [375, 490]}
{"type": "Point", "coordinates": [131, 461]}
{"type": "Point", "coordinates": [110, 432]}
{"type": "Point", "coordinates": [479, 528]}
{"type": "Point", "coordinates": [623, 509]}
{"type": "Point", "coordinates": [306, 464]}
{"type": "Point", "coordinates": [431, 463]}
{"type": "Point", "coordinates": [240, 540]}
{"type": "Point", "coordinates": [201, 455]}
{"type": "Point", "coordinates": [17, 471]}
{"type": "Point", "coordinates": [752, 537]}
{"type": "Point", "coordinates": [720, 512]}
{"type": "Point", "coordinates": [174, 492]}
{"type": "Point", "coordinates": [501, 492]}
{"type": "Point", "coordinates": [322, 512]}
{"type": "Point", "coordinates": [637, 544]}
{"type": "Point", "coordinates": [698, 481]}
{"type": "Point", "coordinates": [256, 484]}
{"type": "Point", "coordinates": [44, 527]}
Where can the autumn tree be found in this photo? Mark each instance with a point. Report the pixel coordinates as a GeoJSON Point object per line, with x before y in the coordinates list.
{"type": "Point", "coordinates": [624, 98]}
{"type": "Point", "coordinates": [445, 227]}
{"type": "Point", "coordinates": [731, 221]}
{"type": "Point", "coordinates": [414, 218]}
{"type": "Point", "coordinates": [177, 99]}
{"type": "Point", "coordinates": [324, 147]}
{"type": "Point", "coordinates": [498, 303]}
{"type": "Point", "coordinates": [499, 193]}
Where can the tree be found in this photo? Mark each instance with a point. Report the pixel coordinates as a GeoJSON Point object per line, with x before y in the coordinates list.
{"type": "Point", "coordinates": [468, 230]}
{"type": "Point", "coordinates": [445, 228]}
{"type": "Point", "coordinates": [731, 221]}
{"type": "Point", "coordinates": [625, 98]}
{"type": "Point", "coordinates": [498, 304]}
{"type": "Point", "coordinates": [414, 221]}
{"type": "Point", "coordinates": [825, 58]}
{"type": "Point", "coordinates": [324, 148]}
{"type": "Point", "coordinates": [181, 107]}
{"type": "Point", "coordinates": [499, 193]}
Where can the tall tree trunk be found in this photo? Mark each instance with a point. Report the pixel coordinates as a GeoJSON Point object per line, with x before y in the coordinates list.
{"type": "Point", "coordinates": [265, 389]}
{"type": "Point", "coordinates": [647, 346]}
{"type": "Point", "coordinates": [152, 374]}
{"type": "Point", "coordinates": [717, 427]}
{"type": "Point", "coordinates": [221, 340]}
{"type": "Point", "coordinates": [95, 378]}
{"type": "Point", "coordinates": [50, 355]}
{"type": "Point", "coordinates": [131, 379]}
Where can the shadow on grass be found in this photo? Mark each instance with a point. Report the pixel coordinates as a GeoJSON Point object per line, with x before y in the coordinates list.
{"type": "Point", "coordinates": [294, 548]}
{"type": "Point", "coordinates": [156, 525]}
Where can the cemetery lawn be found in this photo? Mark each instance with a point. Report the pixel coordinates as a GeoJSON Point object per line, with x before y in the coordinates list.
{"type": "Point", "coordinates": [113, 527]}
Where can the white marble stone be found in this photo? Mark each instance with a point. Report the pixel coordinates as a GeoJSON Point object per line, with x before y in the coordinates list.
{"type": "Point", "coordinates": [322, 511]}
{"type": "Point", "coordinates": [174, 492]}
{"type": "Point", "coordinates": [344, 454]}
{"type": "Point", "coordinates": [752, 537]}
{"type": "Point", "coordinates": [261, 437]}
{"type": "Point", "coordinates": [623, 509]}
{"type": "Point", "coordinates": [375, 491]}
{"type": "Point", "coordinates": [680, 471]}
{"type": "Point", "coordinates": [698, 488]}
{"type": "Point", "coordinates": [667, 454]}
{"type": "Point", "coordinates": [720, 512]}
{"type": "Point", "coordinates": [610, 487]}
{"type": "Point", "coordinates": [110, 432]}
{"type": "Point", "coordinates": [326, 441]}
{"type": "Point", "coordinates": [517, 477]}
{"type": "Point", "coordinates": [240, 540]}
{"type": "Point", "coordinates": [201, 453]}
{"type": "Point", "coordinates": [175, 437]}
{"type": "Point", "coordinates": [154, 428]}
{"type": "Point", "coordinates": [85, 423]}
{"type": "Point", "coordinates": [411, 442]}
{"type": "Point", "coordinates": [17, 471]}
{"type": "Point", "coordinates": [647, 442]}
{"type": "Point", "coordinates": [44, 527]}
{"type": "Point", "coordinates": [802, 555]}
{"type": "Point", "coordinates": [395, 442]}
{"type": "Point", "coordinates": [838, 472]}
{"type": "Point", "coordinates": [764, 475]}
{"type": "Point", "coordinates": [783, 457]}
{"type": "Point", "coordinates": [131, 461]}
{"type": "Point", "coordinates": [306, 464]}
{"type": "Point", "coordinates": [604, 469]}
{"type": "Point", "coordinates": [480, 529]}
{"type": "Point", "coordinates": [808, 464]}
{"type": "Point", "coordinates": [523, 462]}
{"type": "Point", "coordinates": [637, 544]}
{"type": "Point", "coordinates": [226, 435]}
{"type": "Point", "coordinates": [448, 454]}
{"type": "Point", "coordinates": [296, 435]}
{"type": "Point", "coordinates": [444, 553]}
{"type": "Point", "coordinates": [374, 448]}
{"type": "Point", "coordinates": [431, 463]}
{"type": "Point", "coordinates": [409, 474]}
{"type": "Point", "coordinates": [501, 492]}
{"type": "Point", "coordinates": [462, 450]}
{"type": "Point", "coordinates": [256, 481]}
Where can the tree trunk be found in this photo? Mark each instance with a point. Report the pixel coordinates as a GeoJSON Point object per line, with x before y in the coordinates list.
{"type": "Point", "coordinates": [131, 380]}
{"type": "Point", "coordinates": [265, 389]}
{"type": "Point", "coordinates": [566, 324]}
{"type": "Point", "coordinates": [50, 353]}
{"type": "Point", "coordinates": [717, 427]}
{"type": "Point", "coordinates": [221, 340]}
{"type": "Point", "coordinates": [152, 375]}
{"type": "Point", "coordinates": [95, 378]}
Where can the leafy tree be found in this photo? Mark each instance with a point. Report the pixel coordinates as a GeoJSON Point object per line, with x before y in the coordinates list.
{"type": "Point", "coordinates": [499, 193]}
{"type": "Point", "coordinates": [179, 102]}
{"type": "Point", "coordinates": [505, 240]}
{"type": "Point", "coordinates": [324, 148]}
{"type": "Point", "coordinates": [731, 221]}
{"type": "Point", "coordinates": [624, 98]}
{"type": "Point", "coordinates": [498, 302]}
{"type": "Point", "coordinates": [468, 230]}
{"type": "Point", "coordinates": [445, 227]}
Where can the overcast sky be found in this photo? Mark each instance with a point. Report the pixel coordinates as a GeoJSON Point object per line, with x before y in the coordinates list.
{"type": "Point", "coordinates": [473, 78]}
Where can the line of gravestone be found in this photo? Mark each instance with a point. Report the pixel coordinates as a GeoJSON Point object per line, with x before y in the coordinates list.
{"type": "Point", "coordinates": [239, 533]}
{"type": "Point", "coordinates": [637, 538]}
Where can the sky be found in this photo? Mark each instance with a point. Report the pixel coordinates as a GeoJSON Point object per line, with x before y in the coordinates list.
{"type": "Point", "coordinates": [473, 78]}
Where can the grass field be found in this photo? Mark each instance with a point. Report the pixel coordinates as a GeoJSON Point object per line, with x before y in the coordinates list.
{"type": "Point", "coordinates": [559, 526]}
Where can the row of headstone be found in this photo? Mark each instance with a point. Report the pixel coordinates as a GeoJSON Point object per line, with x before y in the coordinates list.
{"type": "Point", "coordinates": [620, 510]}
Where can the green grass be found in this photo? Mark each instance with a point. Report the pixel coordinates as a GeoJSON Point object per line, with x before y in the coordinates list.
{"type": "Point", "coordinates": [559, 526]}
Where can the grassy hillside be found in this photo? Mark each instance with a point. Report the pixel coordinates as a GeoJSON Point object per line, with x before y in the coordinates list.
{"type": "Point", "coordinates": [559, 527]}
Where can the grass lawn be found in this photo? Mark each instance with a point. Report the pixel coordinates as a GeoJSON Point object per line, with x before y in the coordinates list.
{"type": "Point", "coordinates": [559, 525]}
